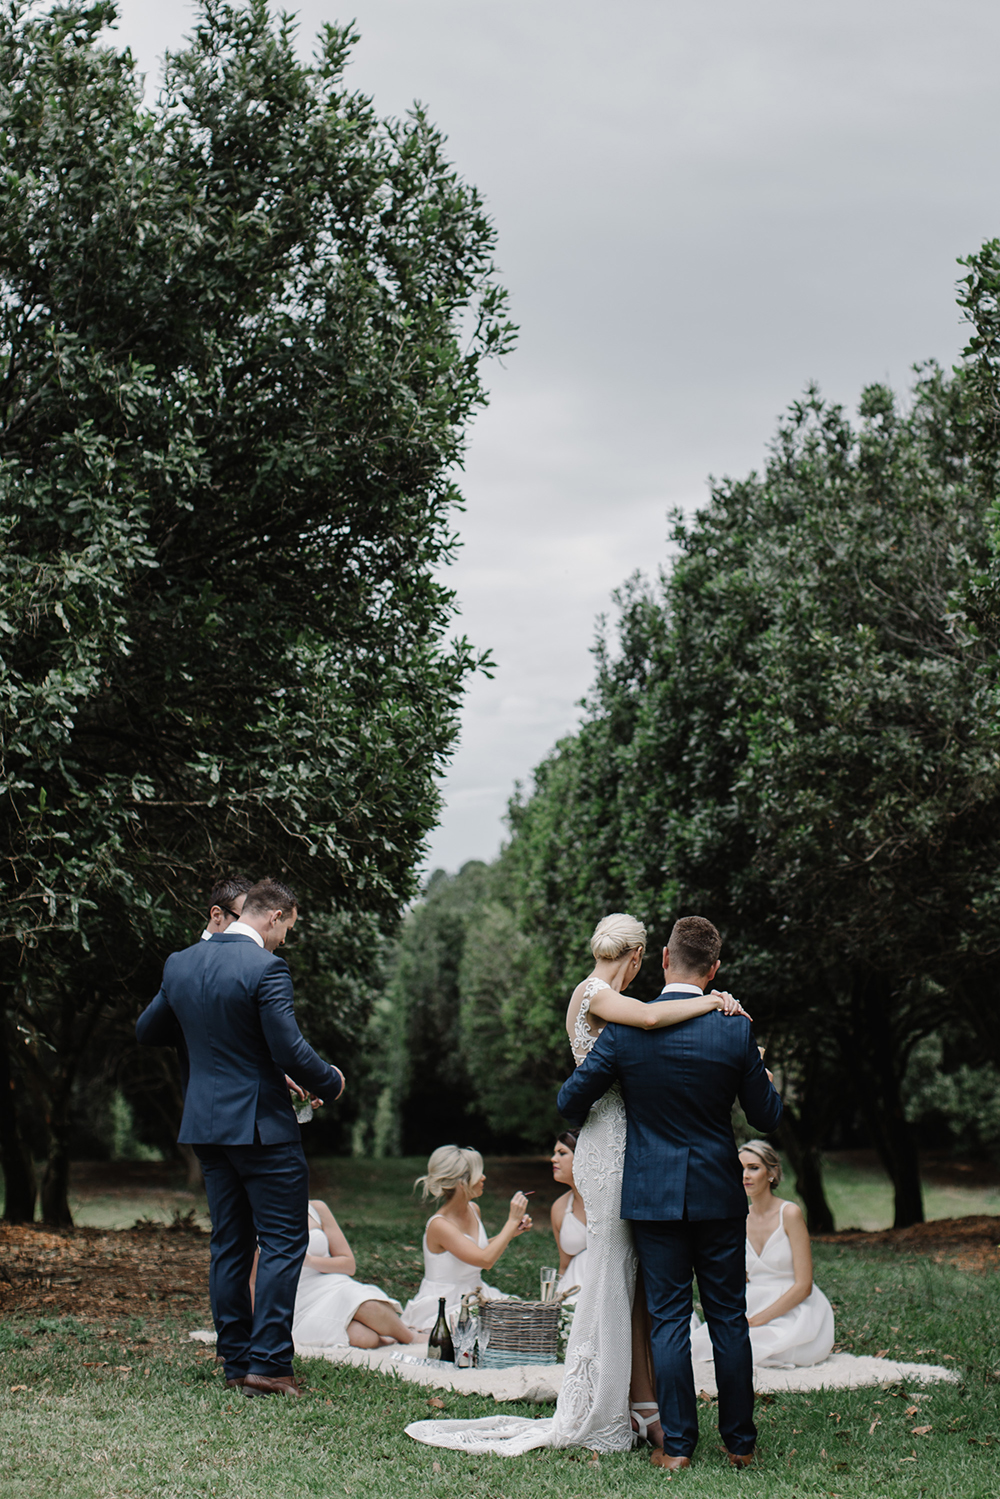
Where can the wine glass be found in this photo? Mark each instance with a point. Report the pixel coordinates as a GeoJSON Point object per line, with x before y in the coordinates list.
{"type": "Point", "coordinates": [463, 1336]}
{"type": "Point", "coordinates": [482, 1338]}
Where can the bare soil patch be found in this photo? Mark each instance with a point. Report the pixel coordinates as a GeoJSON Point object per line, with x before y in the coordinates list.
{"type": "Point", "coordinates": [970, 1243]}
{"type": "Point", "coordinates": [151, 1271]}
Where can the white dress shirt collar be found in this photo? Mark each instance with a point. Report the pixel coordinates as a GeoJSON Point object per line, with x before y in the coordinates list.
{"type": "Point", "coordinates": [240, 929]}
{"type": "Point", "coordinates": [668, 988]}
{"type": "Point", "coordinates": [206, 935]}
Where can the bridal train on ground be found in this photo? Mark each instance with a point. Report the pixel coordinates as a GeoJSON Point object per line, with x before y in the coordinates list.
{"type": "Point", "coordinates": [593, 1406]}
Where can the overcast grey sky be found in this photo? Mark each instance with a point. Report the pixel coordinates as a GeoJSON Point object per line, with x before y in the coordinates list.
{"type": "Point", "coordinates": [701, 206]}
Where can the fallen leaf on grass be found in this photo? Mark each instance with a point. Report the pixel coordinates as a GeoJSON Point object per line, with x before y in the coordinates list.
{"type": "Point", "coordinates": [877, 1422]}
{"type": "Point", "coordinates": [437, 1403]}
{"type": "Point", "coordinates": [104, 1365]}
{"type": "Point", "coordinates": [921, 1431]}
{"type": "Point", "coordinates": [436, 1468]}
{"type": "Point", "coordinates": [123, 1368]}
{"type": "Point", "coordinates": [15, 1387]}
{"type": "Point", "coordinates": [911, 1410]}
{"type": "Point", "coordinates": [882, 1353]}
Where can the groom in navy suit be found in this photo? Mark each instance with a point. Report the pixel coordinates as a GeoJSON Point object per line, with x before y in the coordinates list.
{"type": "Point", "coordinates": [226, 1004]}
{"type": "Point", "coordinates": [682, 1186]}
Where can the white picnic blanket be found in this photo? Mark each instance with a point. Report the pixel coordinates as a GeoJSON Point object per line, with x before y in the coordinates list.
{"type": "Point", "coordinates": [541, 1383]}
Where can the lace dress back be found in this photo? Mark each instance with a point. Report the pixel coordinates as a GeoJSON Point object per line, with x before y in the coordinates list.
{"type": "Point", "coordinates": [592, 1409]}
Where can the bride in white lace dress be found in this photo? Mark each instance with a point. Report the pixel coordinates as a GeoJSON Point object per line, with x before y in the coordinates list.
{"type": "Point", "coordinates": [593, 1406]}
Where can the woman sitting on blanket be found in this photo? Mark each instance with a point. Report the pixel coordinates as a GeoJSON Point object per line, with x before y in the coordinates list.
{"type": "Point", "coordinates": [456, 1247]}
{"type": "Point", "coordinates": [332, 1310]}
{"type": "Point", "coordinates": [791, 1321]}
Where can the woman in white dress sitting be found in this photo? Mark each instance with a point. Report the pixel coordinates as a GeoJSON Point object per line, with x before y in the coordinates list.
{"type": "Point", "coordinates": [791, 1321]}
{"type": "Point", "coordinates": [456, 1247]}
{"type": "Point", "coordinates": [331, 1308]}
{"type": "Point", "coordinates": [568, 1217]}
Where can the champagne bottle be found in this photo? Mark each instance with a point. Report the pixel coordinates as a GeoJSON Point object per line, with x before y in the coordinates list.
{"type": "Point", "coordinates": [439, 1344]}
{"type": "Point", "coordinates": [463, 1336]}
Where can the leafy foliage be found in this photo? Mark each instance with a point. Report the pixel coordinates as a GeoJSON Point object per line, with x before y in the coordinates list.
{"type": "Point", "coordinates": [232, 395]}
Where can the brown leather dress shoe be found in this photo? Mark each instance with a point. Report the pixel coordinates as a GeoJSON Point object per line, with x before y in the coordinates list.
{"type": "Point", "coordinates": [265, 1384]}
{"type": "Point", "coordinates": [232, 1384]}
{"type": "Point", "coordinates": [661, 1459]}
{"type": "Point", "coordinates": [741, 1459]}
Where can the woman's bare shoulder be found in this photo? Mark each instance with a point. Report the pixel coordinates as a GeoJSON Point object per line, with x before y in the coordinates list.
{"type": "Point", "coordinates": [558, 1209]}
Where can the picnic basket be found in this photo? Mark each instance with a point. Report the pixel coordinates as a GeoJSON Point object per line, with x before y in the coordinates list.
{"type": "Point", "coordinates": [521, 1332]}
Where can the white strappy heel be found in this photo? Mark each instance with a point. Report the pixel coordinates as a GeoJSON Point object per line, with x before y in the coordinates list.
{"type": "Point", "coordinates": [644, 1422]}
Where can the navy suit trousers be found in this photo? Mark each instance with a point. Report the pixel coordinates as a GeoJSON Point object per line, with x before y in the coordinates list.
{"type": "Point", "coordinates": [715, 1251]}
{"type": "Point", "coordinates": [258, 1196]}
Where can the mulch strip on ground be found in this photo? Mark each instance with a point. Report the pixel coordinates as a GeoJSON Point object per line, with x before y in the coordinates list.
{"type": "Point", "coordinates": [153, 1270]}
{"type": "Point", "coordinates": [971, 1243]}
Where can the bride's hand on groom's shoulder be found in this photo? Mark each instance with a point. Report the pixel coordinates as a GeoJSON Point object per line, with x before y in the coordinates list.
{"type": "Point", "coordinates": [728, 1004]}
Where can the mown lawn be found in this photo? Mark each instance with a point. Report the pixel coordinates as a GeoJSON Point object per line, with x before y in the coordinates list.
{"type": "Point", "coordinates": [133, 1408]}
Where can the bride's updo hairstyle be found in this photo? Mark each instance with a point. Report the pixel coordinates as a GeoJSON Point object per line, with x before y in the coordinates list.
{"type": "Point", "coordinates": [450, 1167]}
{"type": "Point", "coordinates": [616, 935]}
{"type": "Point", "coordinates": [768, 1157]}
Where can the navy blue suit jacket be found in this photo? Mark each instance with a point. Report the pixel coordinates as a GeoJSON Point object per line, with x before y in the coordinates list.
{"type": "Point", "coordinates": [227, 1004]}
{"type": "Point", "coordinates": [679, 1084]}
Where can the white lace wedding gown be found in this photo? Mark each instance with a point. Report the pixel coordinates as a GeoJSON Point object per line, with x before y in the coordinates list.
{"type": "Point", "coordinates": [592, 1409]}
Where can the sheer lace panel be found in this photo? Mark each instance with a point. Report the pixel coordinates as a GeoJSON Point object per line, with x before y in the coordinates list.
{"type": "Point", "coordinates": [583, 1036]}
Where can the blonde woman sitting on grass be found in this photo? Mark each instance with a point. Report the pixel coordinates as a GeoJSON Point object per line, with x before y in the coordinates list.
{"type": "Point", "coordinates": [456, 1247]}
{"type": "Point", "coordinates": [791, 1321]}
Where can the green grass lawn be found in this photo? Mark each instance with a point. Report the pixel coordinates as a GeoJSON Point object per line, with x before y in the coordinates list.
{"type": "Point", "coordinates": [135, 1409]}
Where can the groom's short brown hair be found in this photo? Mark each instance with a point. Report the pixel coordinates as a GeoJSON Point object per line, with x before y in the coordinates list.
{"type": "Point", "coordinates": [694, 944]}
{"type": "Point", "coordinates": [270, 895]}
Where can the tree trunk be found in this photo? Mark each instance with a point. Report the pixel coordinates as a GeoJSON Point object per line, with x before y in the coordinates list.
{"type": "Point", "coordinates": [875, 1058]}
{"type": "Point", "coordinates": [55, 1182]}
{"type": "Point", "coordinates": [803, 1153]}
{"type": "Point", "coordinates": [18, 1169]}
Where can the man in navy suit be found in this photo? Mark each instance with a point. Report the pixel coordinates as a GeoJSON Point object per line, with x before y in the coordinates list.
{"type": "Point", "coordinates": [682, 1186]}
{"type": "Point", "coordinates": [227, 1004]}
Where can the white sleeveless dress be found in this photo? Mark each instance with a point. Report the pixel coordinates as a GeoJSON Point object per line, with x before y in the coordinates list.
{"type": "Point", "coordinates": [572, 1241]}
{"type": "Point", "coordinates": [448, 1276]}
{"type": "Point", "coordinates": [325, 1304]}
{"type": "Point", "coordinates": [592, 1409]}
{"type": "Point", "coordinates": [802, 1336]}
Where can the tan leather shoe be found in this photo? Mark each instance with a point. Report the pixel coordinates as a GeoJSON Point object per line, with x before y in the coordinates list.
{"type": "Point", "coordinates": [661, 1459]}
{"type": "Point", "coordinates": [264, 1384]}
{"type": "Point", "coordinates": [741, 1459]}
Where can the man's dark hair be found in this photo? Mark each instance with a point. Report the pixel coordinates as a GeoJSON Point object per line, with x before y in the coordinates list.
{"type": "Point", "coordinates": [226, 891]}
{"type": "Point", "coordinates": [694, 944]}
{"type": "Point", "coordinates": [269, 895]}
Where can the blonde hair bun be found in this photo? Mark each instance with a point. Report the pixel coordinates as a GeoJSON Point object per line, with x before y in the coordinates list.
{"type": "Point", "coordinates": [617, 934]}
{"type": "Point", "coordinates": [449, 1167]}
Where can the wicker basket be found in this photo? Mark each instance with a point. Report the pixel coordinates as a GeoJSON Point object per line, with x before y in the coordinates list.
{"type": "Point", "coordinates": [521, 1332]}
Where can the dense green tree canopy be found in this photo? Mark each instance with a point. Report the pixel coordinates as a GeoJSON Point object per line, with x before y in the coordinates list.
{"type": "Point", "coordinates": [242, 331]}
{"type": "Point", "coordinates": [793, 735]}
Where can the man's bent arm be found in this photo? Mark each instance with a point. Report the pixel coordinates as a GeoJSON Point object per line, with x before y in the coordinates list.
{"type": "Point", "coordinates": [286, 1043]}
{"type": "Point", "coordinates": [158, 1025]}
{"type": "Point", "coordinates": [591, 1080]}
{"type": "Point", "coordinates": [759, 1098]}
